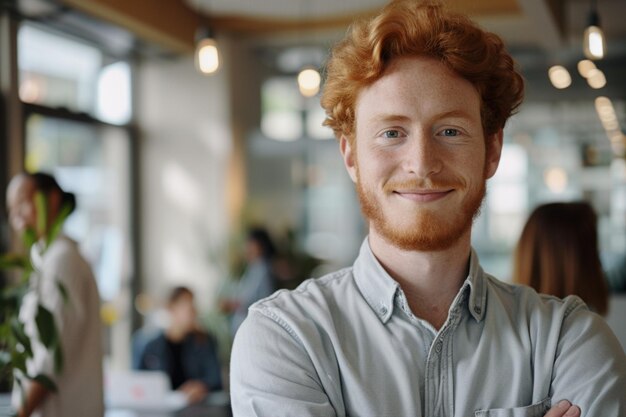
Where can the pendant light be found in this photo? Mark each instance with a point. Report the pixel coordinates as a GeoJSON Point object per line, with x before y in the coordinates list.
{"type": "Point", "coordinates": [207, 55]}
{"type": "Point", "coordinates": [594, 46]}
{"type": "Point", "coordinates": [309, 80]}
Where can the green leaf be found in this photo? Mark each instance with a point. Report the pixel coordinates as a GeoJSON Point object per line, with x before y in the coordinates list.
{"type": "Point", "coordinates": [41, 207]}
{"type": "Point", "coordinates": [57, 225]}
{"type": "Point", "coordinates": [46, 327]}
{"type": "Point", "coordinates": [18, 359]}
{"type": "Point", "coordinates": [58, 359]}
{"type": "Point", "coordinates": [20, 335]}
{"type": "Point", "coordinates": [45, 381]}
{"type": "Point", "coordinates": [5, 333]}
{"type": "Point", "coordinates": [29, 237]}
{"type": "Point", "coordinates": [13, 260]}
{"type": "Point", "coordinates": [63, 291]}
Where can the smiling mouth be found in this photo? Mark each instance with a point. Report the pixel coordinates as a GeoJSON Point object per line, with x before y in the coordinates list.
{"type": "Point", "coordinates": [424, 196]}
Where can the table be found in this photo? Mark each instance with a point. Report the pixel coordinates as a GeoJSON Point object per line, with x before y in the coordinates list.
{"type": "Point", "coordinates": [201, 410]}
{"type": "Point", "coordinates": [217, 404]}
{"type": "Point", "coordinates": [211, 408]}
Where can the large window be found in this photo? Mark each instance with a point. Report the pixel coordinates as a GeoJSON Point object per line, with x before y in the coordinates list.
{"type": "Point", "coordinates": [92, 162]}
{"type": "Point", "coordinates": [287, 115]}
{"type": "Point", "coordinates": [61, 72]}
{"type": "Point", "coordinates": [77, 110]}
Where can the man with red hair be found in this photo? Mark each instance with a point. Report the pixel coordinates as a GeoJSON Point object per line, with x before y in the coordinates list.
{"type": "Point", "coordinates": [418, 98]}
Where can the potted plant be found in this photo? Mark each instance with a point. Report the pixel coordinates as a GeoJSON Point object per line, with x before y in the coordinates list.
{"type": "Point", "coordinates": [15, 344]}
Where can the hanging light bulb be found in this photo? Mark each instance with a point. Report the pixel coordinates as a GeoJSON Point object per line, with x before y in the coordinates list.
{"type": "Point", "coordinates": [309, 82]}
{"type": "Point", "coordinates": [596, 79]}
{"type": "Point", "coordinates": [559, 77]}
{"type": "Point", "coordinates": [207, 55]}
{"type": "Point", "coordinates": [585, 67]}
{"type": "Point", "coordinates": [594, 45]}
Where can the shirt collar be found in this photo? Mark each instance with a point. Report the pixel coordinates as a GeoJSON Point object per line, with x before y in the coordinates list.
{"type": "Point", "coordinates": [379, 289]}
{"type": "Point", "coordinates": [477, 301]}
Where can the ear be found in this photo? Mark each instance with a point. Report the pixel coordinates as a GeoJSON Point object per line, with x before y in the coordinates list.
{"type": "Point", "coordinates": [349, 157]}
{"type": "Point", "coordinates": [494, 151]}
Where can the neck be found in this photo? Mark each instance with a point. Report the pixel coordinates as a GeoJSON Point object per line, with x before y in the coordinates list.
{"type": "Point", "coordinates": [175, 334]}
{"type": "Point", "coordinates": [429, 280]}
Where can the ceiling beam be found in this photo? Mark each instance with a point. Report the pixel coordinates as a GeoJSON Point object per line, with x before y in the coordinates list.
{"type": "Point", "coordinates": [169, 23]}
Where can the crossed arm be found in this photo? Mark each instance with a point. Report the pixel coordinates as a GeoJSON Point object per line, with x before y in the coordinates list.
{"type": "Point", "coordinates": [563, 409]}
{"type": "Point", "coordinates": [271, 377]}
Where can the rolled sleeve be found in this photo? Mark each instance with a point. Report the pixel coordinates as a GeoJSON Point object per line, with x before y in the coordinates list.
{"type": "Point", "coordinates": [271, 373]}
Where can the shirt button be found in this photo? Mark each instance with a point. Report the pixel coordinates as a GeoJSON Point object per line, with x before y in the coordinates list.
{"type": "Point", "coordinates": [383, 310]}
{"type": "Point", "coordinates": [477, 309]}
{"type": "Point", "coordinates": [438, 347]}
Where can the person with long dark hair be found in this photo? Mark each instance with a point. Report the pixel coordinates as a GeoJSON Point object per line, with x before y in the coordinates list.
{"type": "Point", "coordinates": [557, 254]}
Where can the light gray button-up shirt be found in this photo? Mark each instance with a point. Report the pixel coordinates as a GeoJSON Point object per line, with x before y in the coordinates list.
{"type": "Point", "coordinates": [347, 344]}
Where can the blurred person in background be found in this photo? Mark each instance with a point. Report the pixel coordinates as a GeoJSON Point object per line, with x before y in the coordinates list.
{"type": "Point", "coordinates": [557, 254]}
{"type": "Point", "coordinates": [616, 275]}
{"type": "Point", "coordinates": [187, 354]}
{"type": "Point", "coordinates": [257, 281]}
{"type": "Point", "coordinates": [79, 384]}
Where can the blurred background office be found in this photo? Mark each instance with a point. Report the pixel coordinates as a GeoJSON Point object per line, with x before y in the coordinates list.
{"type": "Point", "coordinates": [173, 155]}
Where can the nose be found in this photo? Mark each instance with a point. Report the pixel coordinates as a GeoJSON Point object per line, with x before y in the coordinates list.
{"type": "Point", "coordinates": [422, 157]}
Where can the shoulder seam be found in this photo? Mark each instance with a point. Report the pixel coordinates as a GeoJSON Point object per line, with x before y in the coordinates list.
{"type": "Point", "coordinates": [266, 312]}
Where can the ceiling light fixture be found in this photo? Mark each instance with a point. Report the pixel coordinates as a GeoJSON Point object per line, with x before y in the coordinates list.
{"type": "Point", "coordinates": [207, 55]}
{"type": "Point", "coordinates": [559, 77]}
{"type": "Point", "coordinates": [585, 67]}
{"type": "Point", "coordinates": [596, 79]}
{"type": "Point", "coordinates": [594, 46]}
{"type": "Point", "coordinates": [309, 80]}
{"type": "Point", "coordinates": [610, 123]}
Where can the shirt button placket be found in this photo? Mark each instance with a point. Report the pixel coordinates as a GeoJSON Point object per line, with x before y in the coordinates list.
{"type": "Point", "coordinates": [435, 370]}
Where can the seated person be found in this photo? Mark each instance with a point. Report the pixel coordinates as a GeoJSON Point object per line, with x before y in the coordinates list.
{"type": "Point", "coordinates": [187, 354]}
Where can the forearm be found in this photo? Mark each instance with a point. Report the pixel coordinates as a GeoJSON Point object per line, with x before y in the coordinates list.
{"type": "Point", "coordinates": [34, 398]}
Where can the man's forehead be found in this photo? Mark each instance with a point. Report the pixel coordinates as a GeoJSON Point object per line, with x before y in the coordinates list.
{"type": "Point", "coordinates": [421, 84]}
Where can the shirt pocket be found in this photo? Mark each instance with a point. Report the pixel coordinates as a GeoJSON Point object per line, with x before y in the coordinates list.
{"type": "Point", "coordinates": [536, 410]}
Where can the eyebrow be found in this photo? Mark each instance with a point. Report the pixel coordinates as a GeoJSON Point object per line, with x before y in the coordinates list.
{"type": "Point", "coordinates": [454, 113]}
{"type": "Point", "coordinates": [393, 117]}
{"type": "Point", "coordinates": [390, 117]}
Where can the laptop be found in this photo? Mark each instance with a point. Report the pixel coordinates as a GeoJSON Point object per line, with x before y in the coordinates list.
{"type": "Point", "coordinates": [141, 391]}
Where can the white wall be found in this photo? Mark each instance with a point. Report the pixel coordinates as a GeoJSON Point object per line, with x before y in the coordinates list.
{"type": "Point", "coordinates": [186, 144]}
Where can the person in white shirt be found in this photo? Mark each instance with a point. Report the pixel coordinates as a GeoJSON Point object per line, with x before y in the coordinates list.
{"type": "Point", "coordinates": [79, 382]}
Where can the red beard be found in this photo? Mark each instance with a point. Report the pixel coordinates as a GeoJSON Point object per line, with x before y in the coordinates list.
{"type": "Point", "coordinates": [428, 230]}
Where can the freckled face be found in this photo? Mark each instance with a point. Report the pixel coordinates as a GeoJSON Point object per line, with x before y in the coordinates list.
{"type": "Point", "coordinates": [419, 158]}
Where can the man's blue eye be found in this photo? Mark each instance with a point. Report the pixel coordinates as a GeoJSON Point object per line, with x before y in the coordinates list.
{"type": "Point", "coordinates": [391, 134]}
{"type": "Point", "coordinates": [450, 132]}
